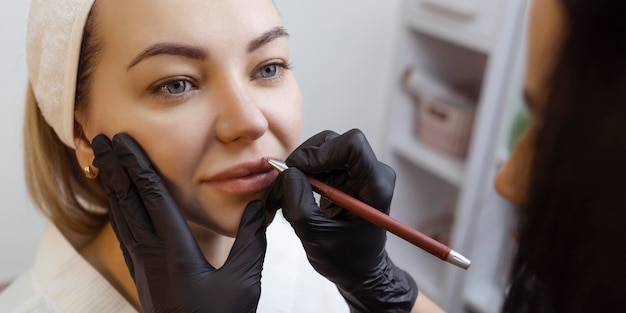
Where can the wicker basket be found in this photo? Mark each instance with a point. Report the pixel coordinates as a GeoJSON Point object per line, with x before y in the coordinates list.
{"type": "Point", "coordinates": [443, 126]}
{"type": "Point", "coordinates": [443, 118]}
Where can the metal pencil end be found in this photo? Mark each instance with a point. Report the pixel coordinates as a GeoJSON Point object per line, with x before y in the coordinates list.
{"type": "Point", "coordinates": [458, 260]}
{"type": "Point", "coordinates": [278, 165]}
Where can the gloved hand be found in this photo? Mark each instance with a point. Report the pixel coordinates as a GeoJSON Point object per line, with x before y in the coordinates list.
{"type": "Point", "coordinates": [170, 272]}
{"type": "Point", "coordinates": [341, 246]}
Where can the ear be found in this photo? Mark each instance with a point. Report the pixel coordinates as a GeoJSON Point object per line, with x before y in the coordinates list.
{"type": "Point", "coordinates": [84, 153]}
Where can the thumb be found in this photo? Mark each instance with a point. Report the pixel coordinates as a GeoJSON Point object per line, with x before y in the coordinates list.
{"type": "Point", "coordinates": [296, 194]}
{"type": "Point", "coordinates": [248, 251]}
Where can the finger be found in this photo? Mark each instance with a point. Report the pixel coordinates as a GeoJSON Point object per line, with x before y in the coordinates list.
{"type": "Point", "coordinates": [168, 221]}
{"type": "Point", "coordinates": [349, 152]}
{"type": "Point", "coordinates": [306, 151]}
{"type": "Point", "coordinates": [295, 195]}
{"type": "Point", "coordinates": [349, 163]}
{"type": "Point", "coordinates": [318, 139]}
{"type": "Point", "coordinates": [298, 203]}
{"type": "Point", "coordinates": [248, 251]}
{"type": "Point", "coordinates": [127, 256]}
{"type": "Point", "coordinates": [346, 161]}
{"type": "Point", "coordinates": [126, 207]}
{"type": "Point", "coordinates": [106, 161]}
{"type": "Point", "coordinates": [103, 153]}
{"type": "Point", "coordinates": [241, 272]}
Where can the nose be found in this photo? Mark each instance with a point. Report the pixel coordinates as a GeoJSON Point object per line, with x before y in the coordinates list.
{"type": "Point", "coordinates": [240, 116]}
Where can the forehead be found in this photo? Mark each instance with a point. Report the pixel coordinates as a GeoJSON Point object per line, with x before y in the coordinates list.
{"type": "Point", "coordinates": [547, 32]}
{"type": "Point", "coordinates": [133, 25]}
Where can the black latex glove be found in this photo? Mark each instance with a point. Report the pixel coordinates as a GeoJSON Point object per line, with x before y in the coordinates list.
{"type": "Point", "coordinates": [170, 272]}
{"type": "Point", "coordinates": [341, 246]}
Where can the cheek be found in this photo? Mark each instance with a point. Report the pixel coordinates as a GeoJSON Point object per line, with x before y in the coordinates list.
{"type": "Point", "coordinates": [285, 116]}
{"type": "Point", "coordinates": [171, 137]}
{"type": "Point", "coordinates": [114, 104]}
{"type": "Point", "coordinates": [513, 177]}
{"type": "Point", "coordinates": [546, 35]}
{"type": "Point", "coordinates": [174, 147]}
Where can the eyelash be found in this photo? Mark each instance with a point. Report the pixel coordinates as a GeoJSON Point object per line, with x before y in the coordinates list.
{"type": "Point", "coordinates": [160, 88]}
{"type": "Point", "coordinates": [282, 67]}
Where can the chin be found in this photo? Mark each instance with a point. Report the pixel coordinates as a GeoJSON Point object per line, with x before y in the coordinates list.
{"type": "Point", "coordinates": [225, 214]}
{"type": "Point", "coordinates": [228, 227]}
{"type": "Point", "coordinates": [231, 228]}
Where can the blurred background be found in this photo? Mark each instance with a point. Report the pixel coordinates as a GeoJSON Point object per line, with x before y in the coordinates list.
{"type": "Point", "coordinates": [434, 84]}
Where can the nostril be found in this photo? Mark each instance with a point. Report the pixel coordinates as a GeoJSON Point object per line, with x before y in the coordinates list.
{"type": "Point", "coordinates": [242, 128]}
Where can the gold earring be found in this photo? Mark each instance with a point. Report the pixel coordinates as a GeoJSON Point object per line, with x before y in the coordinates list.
{"type": "Point", "coordinates": [89, 173]}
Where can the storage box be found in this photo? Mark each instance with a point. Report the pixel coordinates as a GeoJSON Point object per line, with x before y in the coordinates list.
{"type": "Point", "coordinates": [443, 126]}
{"type": "Point", "coordinates": [443, 117]}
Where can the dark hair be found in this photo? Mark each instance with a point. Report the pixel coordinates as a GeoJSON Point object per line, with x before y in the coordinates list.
{"type": "Point", "coordinates": [571, 245]}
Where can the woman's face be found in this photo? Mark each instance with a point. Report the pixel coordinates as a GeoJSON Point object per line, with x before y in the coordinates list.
{"type": "Point", "coordinates": [546, 34]}
{"type": "Point", "coordinates": [204, 87]}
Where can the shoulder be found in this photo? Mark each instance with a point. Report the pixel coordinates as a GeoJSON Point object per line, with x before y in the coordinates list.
{"type": "Point", "coordinates": [22, 296]}
{"type": "Point", "coordinates": [61, 281]}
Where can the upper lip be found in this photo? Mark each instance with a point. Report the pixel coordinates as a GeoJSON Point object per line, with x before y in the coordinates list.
{"type": "Point", "coordinates": [241, 170]}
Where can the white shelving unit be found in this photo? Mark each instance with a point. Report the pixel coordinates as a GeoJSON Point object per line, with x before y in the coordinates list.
{"type": "Point", "coordinates": [446, 167]}
{"type": "Point", "coordinates": [476, 46]}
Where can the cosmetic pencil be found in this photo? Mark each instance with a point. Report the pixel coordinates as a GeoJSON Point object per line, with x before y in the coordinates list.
{"type": "Point", "coordinates": [382, 220]}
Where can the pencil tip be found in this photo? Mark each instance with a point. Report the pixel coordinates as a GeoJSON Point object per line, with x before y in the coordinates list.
{"type": "Point", "coordinates": [278, 165]}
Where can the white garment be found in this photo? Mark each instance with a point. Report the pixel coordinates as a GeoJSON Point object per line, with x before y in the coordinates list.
{"type": "Point", "coordinates": [62, 281]}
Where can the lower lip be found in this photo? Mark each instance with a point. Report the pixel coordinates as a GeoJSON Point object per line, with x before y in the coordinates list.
{"type": "Point", "coordinates": [244, 185]}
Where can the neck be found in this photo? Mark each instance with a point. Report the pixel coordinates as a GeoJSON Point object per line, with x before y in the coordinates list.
{"type": "Point", "coordinates": [104, 254]}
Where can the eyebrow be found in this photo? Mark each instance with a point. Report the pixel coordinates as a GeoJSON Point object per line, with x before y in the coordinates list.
{"type": "Point", "coordinates": [200, 54]}
{"type": "Point", "coordinates": [169, 49]}
{"type": "Point", "coordinates": [267, 37]}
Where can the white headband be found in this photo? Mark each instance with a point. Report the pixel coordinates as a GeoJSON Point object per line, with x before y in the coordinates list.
{"type": "Point", "coordinates": [55, 31]}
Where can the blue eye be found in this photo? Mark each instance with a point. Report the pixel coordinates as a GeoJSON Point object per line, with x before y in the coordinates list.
{"type": "Point", "coordinates": [173, 88]}
{"type": "Point", "coordinates": [269, 71]}
{"type": "Point", "coordinates": [176, 87]}
{"type": "Point", "coordinates": [272, 72]}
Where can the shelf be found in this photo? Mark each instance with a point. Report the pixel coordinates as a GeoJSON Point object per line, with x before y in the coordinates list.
{"type": "Point", "coordinates": [469, 45]}
{"type": "Point", "coordinates": [437, 28]}
{"type": "Point", "coordinates": [472, 24]}
{"type": "Point", "coordinates": [448, 168]}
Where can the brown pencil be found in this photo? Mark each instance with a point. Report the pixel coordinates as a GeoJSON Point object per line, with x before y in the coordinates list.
{"type": "Point", "coordinates": [383, 220]}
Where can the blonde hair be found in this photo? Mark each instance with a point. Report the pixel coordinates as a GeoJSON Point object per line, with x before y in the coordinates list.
{"type": "Point", "coordinates": [54, 179]}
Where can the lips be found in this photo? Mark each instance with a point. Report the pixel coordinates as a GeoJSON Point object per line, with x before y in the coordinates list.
{"type": "Point", "coordinates": [244, 178]}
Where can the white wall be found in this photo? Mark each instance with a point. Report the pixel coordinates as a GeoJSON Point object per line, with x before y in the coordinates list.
{"type": "Point", "coordinates": [20, 223]}
{"type": "Point", "coordinates": [342, 54]}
